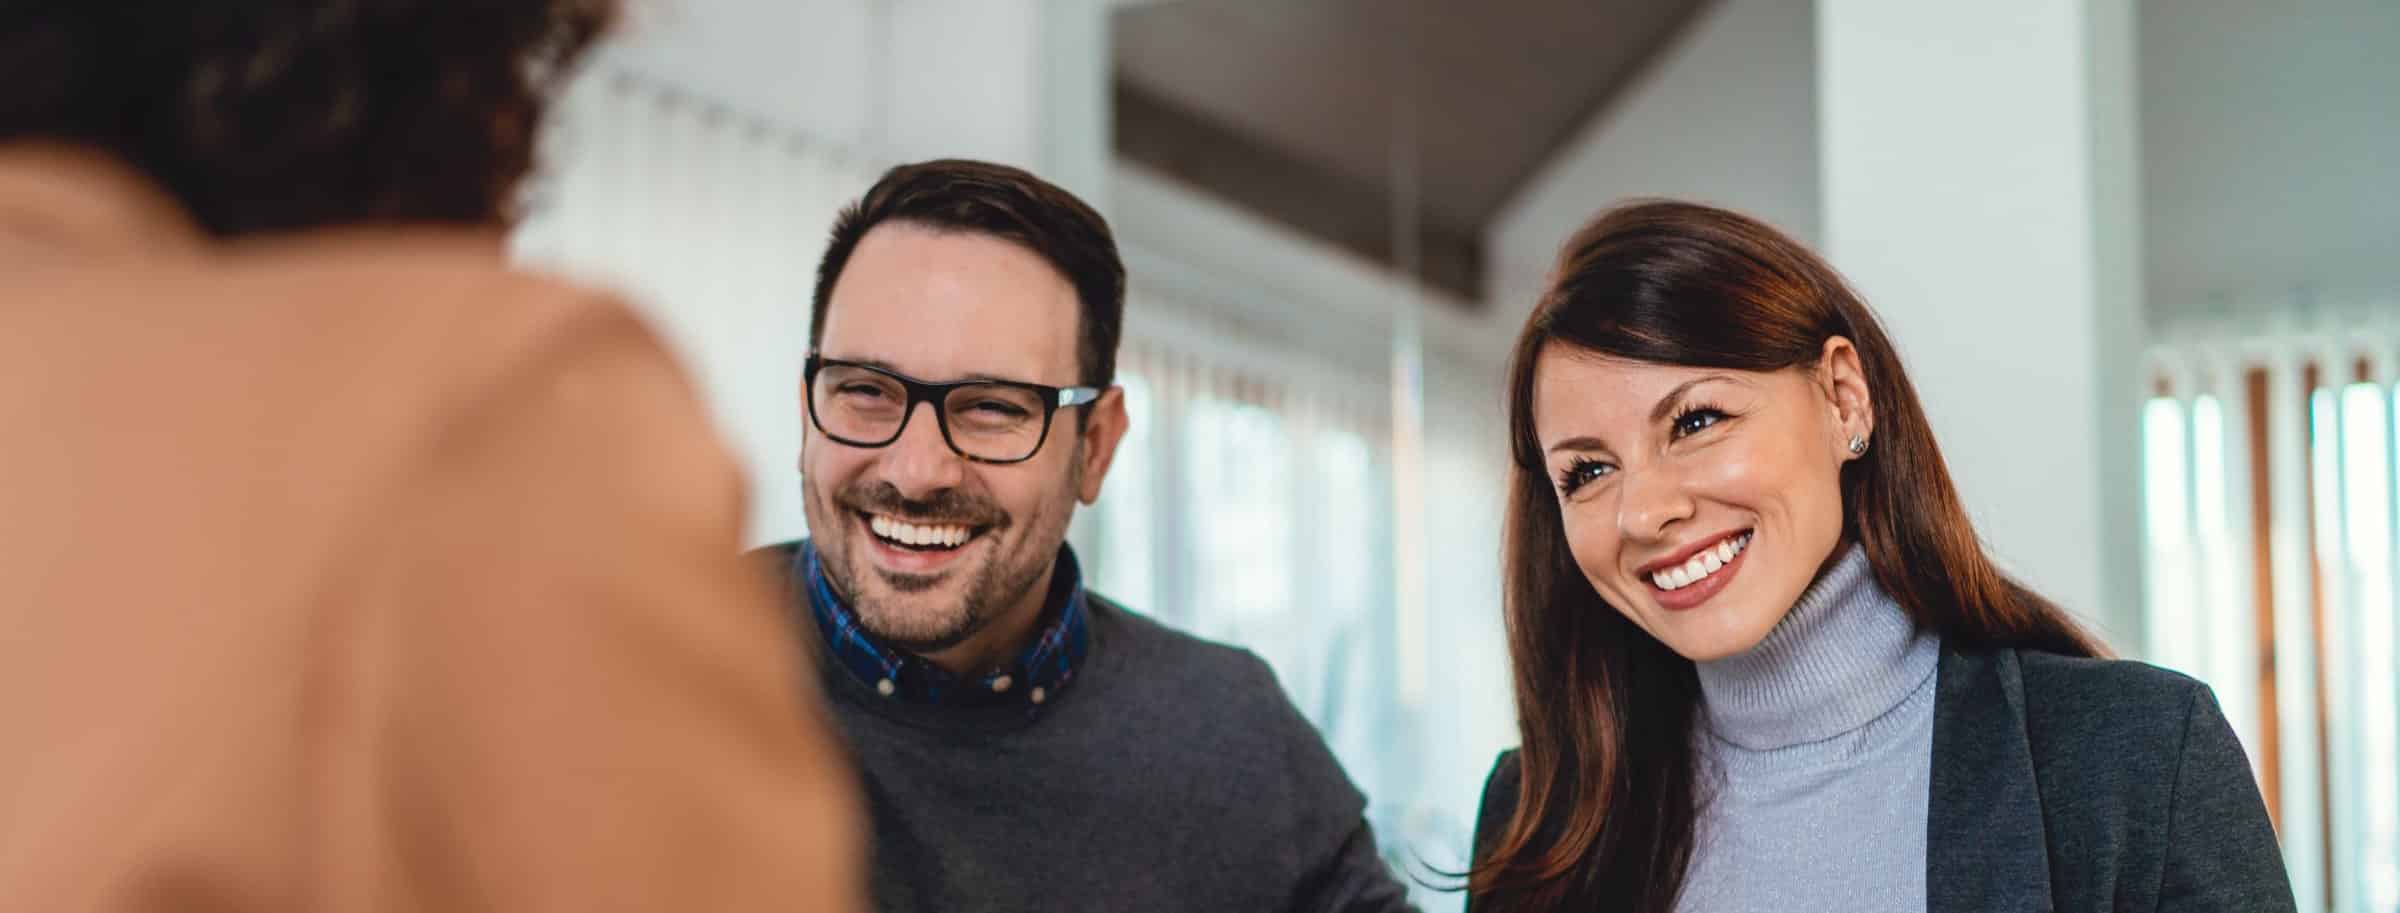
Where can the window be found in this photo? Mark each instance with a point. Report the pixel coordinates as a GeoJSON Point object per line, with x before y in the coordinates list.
{"type": "Point", "coordinates": [1252, 507]}
{"type": "Point", "coordinates": [2286, 608]}
{"type": "Point", "coordinates": [1124, 563]}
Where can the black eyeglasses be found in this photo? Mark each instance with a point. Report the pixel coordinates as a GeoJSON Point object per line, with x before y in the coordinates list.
{"type": "Point", "coordinates": [988, 421]}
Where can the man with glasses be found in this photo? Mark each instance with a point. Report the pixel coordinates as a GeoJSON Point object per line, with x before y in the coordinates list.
{"type": "Point", "coordinates": [1026, 744]}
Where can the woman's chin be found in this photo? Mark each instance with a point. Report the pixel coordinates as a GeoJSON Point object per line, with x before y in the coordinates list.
{"type": "Point", "coordinates": [1710, 636]}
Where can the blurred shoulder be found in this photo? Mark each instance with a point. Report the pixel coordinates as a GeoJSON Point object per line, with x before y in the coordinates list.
{"type": "Point", "coordinates": [484, 370]}
{"type": "Point", "coordinates": [451, 292]}
{"type": "Point", "coordinates": [346, 362]}
{"type": "Point", "coordinates": [440, 324]}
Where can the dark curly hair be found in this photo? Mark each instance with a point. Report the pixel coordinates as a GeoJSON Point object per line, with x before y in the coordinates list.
{"type": "Point", "coordinates": [277, 115]}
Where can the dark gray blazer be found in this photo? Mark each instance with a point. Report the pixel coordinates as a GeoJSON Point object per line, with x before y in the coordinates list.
{"type": "Point", "coordinates": [2065, 784]}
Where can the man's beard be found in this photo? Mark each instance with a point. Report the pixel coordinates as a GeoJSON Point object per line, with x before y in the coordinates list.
{"type": "Point", "coordinates": [992, 587]}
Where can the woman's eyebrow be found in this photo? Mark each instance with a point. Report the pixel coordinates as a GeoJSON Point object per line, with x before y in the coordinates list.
{"type": "Point", "coordinates": [1666, 404]}
{"type": "Point", "coordinates": [1585, 442]}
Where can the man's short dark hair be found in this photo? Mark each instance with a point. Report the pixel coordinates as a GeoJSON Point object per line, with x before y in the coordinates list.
{"type": "Point", "coordinates": [271, 115]}
{"type": "Point", "coordinates": [1006, 203]}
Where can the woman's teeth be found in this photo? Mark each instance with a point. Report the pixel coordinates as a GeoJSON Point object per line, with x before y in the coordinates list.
{"type": "Point", "coordinates": [920, 536]}
{"type": "Point", "coordinates": [1703, 564]}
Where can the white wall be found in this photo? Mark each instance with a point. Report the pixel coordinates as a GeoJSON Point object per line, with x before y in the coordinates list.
{"type": "Point", "coordinates": [1024, 82]}
{"type": "Point", "coordinates": [1727, 115]}
{"type": "Point", "coordinates": [811, 65]}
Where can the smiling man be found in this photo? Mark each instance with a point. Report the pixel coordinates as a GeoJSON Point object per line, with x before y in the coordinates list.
{"type": "Point", "coordinates": [1026, 744]}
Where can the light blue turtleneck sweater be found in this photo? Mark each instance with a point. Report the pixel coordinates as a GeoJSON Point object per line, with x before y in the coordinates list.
{"type": "Point", "coordinates": [1817, 749]}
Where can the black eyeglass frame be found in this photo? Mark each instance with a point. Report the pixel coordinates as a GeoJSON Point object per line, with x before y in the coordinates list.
{"type": "Point", "coordinates": [1052, 399]}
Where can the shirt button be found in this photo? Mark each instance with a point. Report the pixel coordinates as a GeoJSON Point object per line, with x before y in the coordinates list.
{"type": "Point", "coordinates": [1000, 685]}
{"type": "Point", "coordinates": [1038, 694]}
{"type": "Point", "coordinates": [885, 687]}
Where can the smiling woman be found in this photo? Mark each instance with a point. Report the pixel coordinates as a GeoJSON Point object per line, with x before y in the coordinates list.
{"type": "Point", "coordinates": [1741, 593]}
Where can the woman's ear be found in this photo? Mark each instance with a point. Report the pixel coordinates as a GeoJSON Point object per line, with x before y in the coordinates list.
{"type": "Point", "coordinates": [1844, 381]}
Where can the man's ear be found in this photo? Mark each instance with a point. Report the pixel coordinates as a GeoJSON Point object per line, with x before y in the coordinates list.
{"type": "Point", "coordinates": [806, 425]}
{"type": "Point", "coordinates": [1104, 428]}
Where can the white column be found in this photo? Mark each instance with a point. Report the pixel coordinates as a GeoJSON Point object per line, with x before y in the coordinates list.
{"type": "Point", "coordinates": [1021, 82]}
{"type": "Point", "coordinates": [1980, 189]}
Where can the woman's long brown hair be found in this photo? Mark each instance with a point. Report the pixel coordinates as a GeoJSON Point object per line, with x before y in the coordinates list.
{"type": "Point", "coordinates": [1609, 790]}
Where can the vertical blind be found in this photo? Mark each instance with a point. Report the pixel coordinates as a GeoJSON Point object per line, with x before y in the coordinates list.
{"type": "Point", "coordinates": [2270, 476]}
{"type": "Point", "coordinates": [710, 222]}
{"type": "Point", "coordinates": [1251, 504]}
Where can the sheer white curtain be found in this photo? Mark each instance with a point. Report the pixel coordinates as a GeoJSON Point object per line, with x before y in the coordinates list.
{"type": "Point", "coordinates": [2271, 469]}
{"type": "Point", "coordinates": [1248, 506]}
{"type": "Point", "coordinates": [711, 223]}
{"type": "Point", "coordinates": [1252, 504]}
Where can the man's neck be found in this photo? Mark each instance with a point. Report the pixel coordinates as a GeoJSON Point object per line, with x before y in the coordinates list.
{"type": "Point", "coordinates": [1001, 640]}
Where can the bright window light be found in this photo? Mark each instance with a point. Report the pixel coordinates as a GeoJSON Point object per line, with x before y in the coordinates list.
{"type": "Point", "coordinates": [2367, 467]}
{"type": "Point", "coordinates": [2172, 613]}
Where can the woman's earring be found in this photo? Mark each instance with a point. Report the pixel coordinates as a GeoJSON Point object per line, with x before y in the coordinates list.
{"type": "Point", "coordinates": [1858, 445]}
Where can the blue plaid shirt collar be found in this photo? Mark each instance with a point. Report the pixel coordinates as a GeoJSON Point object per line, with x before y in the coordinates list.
{"type": "Point", "coordinates": [1038, 673]}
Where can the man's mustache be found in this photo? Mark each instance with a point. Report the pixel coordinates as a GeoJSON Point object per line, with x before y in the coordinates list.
{"type": "Point", "coordinates": [946, 507]}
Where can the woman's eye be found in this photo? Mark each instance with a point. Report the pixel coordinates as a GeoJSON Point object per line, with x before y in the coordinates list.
{"type": "Point", "coordinates": [1581, 473]}
{"type": "Point", "coordinates": [1696, 421]}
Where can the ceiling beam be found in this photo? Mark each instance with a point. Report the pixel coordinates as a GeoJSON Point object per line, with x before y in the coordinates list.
{"type": "Point", "coordinates": [1351, 214]}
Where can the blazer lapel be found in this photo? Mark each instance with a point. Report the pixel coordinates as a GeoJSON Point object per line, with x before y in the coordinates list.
{"type": "Point", "coordinates": [1985, 849]}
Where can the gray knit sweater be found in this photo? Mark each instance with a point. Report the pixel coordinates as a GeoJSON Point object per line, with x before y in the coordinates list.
{"type": "Point", "coordinates": [1817, 747]}
{"type": "Point", "coordinates": [1174, 775]}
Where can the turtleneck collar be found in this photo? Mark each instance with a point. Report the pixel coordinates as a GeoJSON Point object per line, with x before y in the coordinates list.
{"type": "Point", "coordinates": [1844, 655]}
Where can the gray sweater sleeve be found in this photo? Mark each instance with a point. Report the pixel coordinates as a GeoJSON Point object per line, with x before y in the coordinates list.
{"type": "Point", "coordinates": [2221, 853]}
{"type": "Point", "coordinates": [1355, 880]}
{"type": "Point", "coordinates": [1321, 814]}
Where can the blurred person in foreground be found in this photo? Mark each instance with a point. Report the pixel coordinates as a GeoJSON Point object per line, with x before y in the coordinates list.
{"type": "Point", "coordinates": [1763, 661]}
{"type": "Point", "coordinates": [346, 569]}
{"type": "Point", "coordinates": [1027, 744]}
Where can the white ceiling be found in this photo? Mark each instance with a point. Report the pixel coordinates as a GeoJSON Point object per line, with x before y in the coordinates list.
{"type": "Point", "coordinates": [2270, 132]}
{"type": "Point", "coordinates": [1307, 111]}
{"type": "Point", "coordinates": [2270, 152]}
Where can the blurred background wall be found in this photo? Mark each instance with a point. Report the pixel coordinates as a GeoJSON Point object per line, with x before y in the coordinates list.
{"type": "Point", "coordinates": [2142, 257]}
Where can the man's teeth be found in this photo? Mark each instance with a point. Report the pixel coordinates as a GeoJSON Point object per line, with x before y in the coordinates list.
{"type": "Point", "coordinates": [921, 536]}
{"type": "Point", "coordinates": [1709, 561]}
